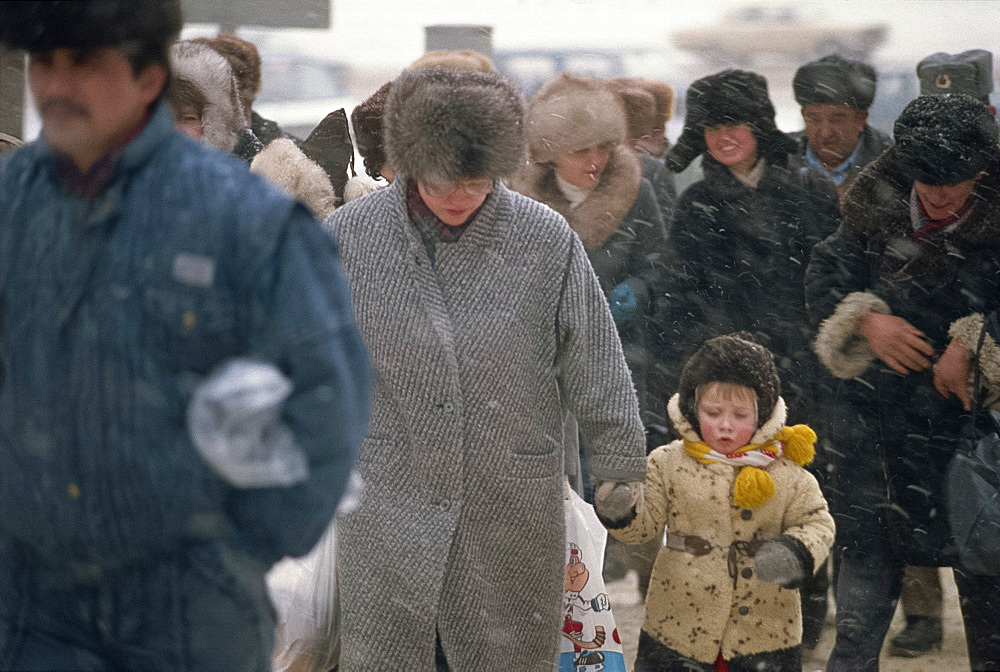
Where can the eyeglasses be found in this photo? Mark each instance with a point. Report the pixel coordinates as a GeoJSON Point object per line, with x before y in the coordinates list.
{"type": "Point", "coordinates": [445, 189]}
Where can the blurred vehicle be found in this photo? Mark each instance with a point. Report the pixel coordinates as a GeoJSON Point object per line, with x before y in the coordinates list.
{"type": "Point", "coordinates": [747, 34]}
{"type": "Point", "coordinates": [531, 68]}
{"type": "Point", "coordinates": [298, 90]}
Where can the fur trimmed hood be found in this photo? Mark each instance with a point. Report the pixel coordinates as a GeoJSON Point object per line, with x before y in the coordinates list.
{"type": "Point", "coordinates": [289, 169]}
{"type": "Point", "coordinates": [453, 124]}
{"type": "Point", "coordinates": [604, 209]}
{"type": "Point", "coordinates": [209, 72]}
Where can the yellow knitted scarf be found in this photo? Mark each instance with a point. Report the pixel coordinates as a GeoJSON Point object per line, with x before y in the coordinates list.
{"type": "Point", "coordinates": [753, 485]}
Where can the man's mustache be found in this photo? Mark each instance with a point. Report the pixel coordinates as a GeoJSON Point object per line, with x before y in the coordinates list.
{"type": "Point", "coordinates": [63, 106]}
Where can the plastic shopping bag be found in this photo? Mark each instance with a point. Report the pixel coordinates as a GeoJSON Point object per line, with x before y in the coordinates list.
{"type": "Point", "coordinates": [304, 592]}
{"type": "Point", "coordinates": [589, 639]}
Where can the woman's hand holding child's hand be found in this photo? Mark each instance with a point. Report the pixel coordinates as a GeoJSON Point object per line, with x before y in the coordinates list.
{"type": "Point", "coordinates": [614, 500]}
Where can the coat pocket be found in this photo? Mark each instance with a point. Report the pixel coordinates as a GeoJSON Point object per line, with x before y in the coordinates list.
{"type": "Point", "coordinates": [191, 329]}
{"type": "Point", "coordinates": [532, 467]}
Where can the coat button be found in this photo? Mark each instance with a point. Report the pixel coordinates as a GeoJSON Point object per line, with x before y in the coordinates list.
{"type": "Point", "coordinates": [747, 572]}
{"type": "Point", "coordinates": [744, 611]}
{"type": "Point", "coordinates": [746, 514]}
{"type": "Point", "coordinates": [445, 504]}
{"type": "Point", "coordinates": [449, 407]}
{"type": "Point", "coordinates": [73, 490]}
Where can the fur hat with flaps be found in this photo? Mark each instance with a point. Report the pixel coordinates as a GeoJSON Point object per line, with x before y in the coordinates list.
{"type": "Point", "coordinates": [640, 109]}
{"type": "Point", "coordinates": [571, 113]}
{"type": "Point", "coordinates": [662, 95]}
{"type": "Point", "coordinates": [946, 139]}
{"type": "Point", "coordinates": [833, 80]}
{"type": "Point", "coordinates": [448, 124]}
{"type": "Point", "coordinates": [734, 358]}
{"type": "Point", "coordinates": [729, 97]}
{"type": "Point", "coordinates": [209, 72]}
{"type": "Point", "coordinates": [40, 26]}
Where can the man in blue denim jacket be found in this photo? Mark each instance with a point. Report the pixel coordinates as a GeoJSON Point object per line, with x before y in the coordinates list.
{"type": "Point", "coordinates": [133, 262]}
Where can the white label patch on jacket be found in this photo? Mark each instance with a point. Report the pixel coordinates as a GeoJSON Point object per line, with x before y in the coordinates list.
{"type": "Point", "coordinates": [195, 270]}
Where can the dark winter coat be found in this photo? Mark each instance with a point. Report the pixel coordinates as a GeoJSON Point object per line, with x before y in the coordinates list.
{"type": "Point", "coordinates": [661, 178]}
{"type": "Point", "coordinates": [113, 311]}
{"type": "Point", "coordinates": [265, 129]}
{"type": "Point", "coordinates": [623, 232]}
{"type": "Point", "coordinates": [461, 531]}
{"type": "Point", "coordinates": [738, 262]}
{"type": "Point", "coordinates": [871, 145]}
{"type": "Point", "coordinates": [895, 433]}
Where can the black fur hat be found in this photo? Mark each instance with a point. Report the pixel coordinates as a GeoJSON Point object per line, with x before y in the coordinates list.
{"type": "Point", "coordinates": [734, 358]}
{"type": "Point", "coordinates": [833, 80]}
{"type": "Point", "coordinates": [946, 139]}
{"type": "Point", "coordinates": [454, 124]}
{"type": "Point", "coordinates": [38, 25]}
{"type": "Point", "coordinates": [728, 97]}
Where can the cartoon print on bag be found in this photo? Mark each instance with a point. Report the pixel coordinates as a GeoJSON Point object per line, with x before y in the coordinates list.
{"type": "Point", "coordinates": [577, 576]}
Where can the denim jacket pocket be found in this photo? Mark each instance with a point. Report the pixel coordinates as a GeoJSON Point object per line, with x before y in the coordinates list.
{"type": "Point", "coordinates": [192, 329]}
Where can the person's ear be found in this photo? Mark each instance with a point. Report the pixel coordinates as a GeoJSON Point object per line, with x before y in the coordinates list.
{"type": "Point", "coordinates": [152, 80]}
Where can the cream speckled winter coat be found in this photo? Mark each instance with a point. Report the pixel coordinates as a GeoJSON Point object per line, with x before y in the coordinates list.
{"type": "Point", "coordinates": [694, 605]}
{"type": "Point", "coordinates": [461, 532]}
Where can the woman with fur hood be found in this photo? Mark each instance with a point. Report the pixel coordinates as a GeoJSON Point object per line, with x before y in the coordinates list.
{"type": "Point", "coordinates": [483, 318]}
{"type": "Point", "coordinates": [741, 237]}
{"type": "Point", "coordinates": [581, 168]}
{"type": "Point", "coordinates": [205, 99]}
{"type": "Point", "coordinates": [206, 103]}
{"type": "Point", "coordinates": [905, 281]}
{"type": "Point", "coordinates": [745, 522]}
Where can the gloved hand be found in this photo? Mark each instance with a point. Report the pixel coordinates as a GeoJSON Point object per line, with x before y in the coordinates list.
{"type": "Point", "coordinates": [777, 563]}
{"type": "Point", "coordinates": [613, 500]}
{"type": "Point", "coordinates": [623, 304]}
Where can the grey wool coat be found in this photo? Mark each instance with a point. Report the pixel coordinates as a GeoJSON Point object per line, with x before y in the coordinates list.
{"type": "Point", "coordinates": [477, 358]}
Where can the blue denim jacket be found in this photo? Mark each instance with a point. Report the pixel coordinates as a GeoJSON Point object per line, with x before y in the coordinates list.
{"type": "Point", "coordinates": [112, 311]}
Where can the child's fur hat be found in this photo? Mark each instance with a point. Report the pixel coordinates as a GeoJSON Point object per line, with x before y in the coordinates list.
{"type": "Point", "coordinates": [734, 358]}
{"type": "Point", "coordinates": [449, 124]}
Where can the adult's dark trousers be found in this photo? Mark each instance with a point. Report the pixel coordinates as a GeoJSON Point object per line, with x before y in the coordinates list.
{"type": "Point", "coordinates": [205, 609]}
{"type": "Point", "coordinates": [868, 589]}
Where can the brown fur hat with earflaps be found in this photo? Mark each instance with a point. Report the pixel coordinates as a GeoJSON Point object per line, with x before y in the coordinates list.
{"type": "Point", "coordinates": [649, 104]}
{"type": "Point", "coordinates": [734, 358]}
{"type": "Point", "coordinates": [448, 124]}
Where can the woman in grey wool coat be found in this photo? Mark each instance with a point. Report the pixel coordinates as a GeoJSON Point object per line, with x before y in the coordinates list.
{"type": "Point", "coordinates": [485, 323]}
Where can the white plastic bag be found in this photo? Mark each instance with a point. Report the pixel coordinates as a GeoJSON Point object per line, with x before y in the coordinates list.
{"type": "Point", "coordinates": [589, 638]}
{"type": "Point", "coordinates": [304, 592]}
